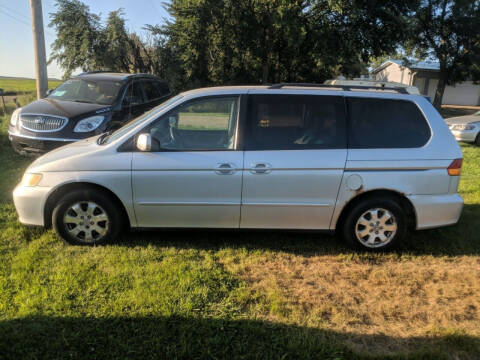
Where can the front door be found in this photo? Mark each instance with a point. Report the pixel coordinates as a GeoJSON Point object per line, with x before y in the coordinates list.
{"type": "Point", "coordinates": [294, 160]}
{"type": "Point", "coordinates": [193, 175]}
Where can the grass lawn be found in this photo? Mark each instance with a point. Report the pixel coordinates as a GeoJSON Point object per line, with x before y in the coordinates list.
{"type": "Point", "coordinates": [21, 86]}
{"type": "Point", "coordinates": [245, 295]}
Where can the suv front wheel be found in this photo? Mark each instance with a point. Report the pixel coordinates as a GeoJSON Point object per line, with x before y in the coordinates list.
{"type": "Point", "coordinates": [86, 217]}
{"type": "Point", "coordinates": [375, 224]}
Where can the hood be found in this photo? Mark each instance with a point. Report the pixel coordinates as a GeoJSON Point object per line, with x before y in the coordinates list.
{"type": "Point", "coordinates": [463, 119]}
{"type": "Point", "coordinates": [83, 155]}
{"type": "Point", "coordinates": [68, 109]}
{"type": "Point", "coordinates": [60, 158]}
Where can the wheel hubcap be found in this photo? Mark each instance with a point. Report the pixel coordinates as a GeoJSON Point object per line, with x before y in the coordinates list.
{"type": "Point", "coordinates": [86, 221]}
{"type": "Point", "coordinates": [376, 227]}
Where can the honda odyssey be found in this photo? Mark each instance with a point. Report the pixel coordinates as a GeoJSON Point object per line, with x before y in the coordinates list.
{"type": "Point", "coordinates": [369, 164]}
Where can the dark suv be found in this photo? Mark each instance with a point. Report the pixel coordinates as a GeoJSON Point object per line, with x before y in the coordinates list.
{"type": "Point", "coordinates": [83, 106]}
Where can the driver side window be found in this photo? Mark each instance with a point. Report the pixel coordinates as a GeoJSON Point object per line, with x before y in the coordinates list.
{"type": "Point", "coordinates": [200, 124]}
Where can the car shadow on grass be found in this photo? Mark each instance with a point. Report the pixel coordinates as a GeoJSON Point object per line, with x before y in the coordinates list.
{"type": "Point", "coordinates": [460, 239]}
{"type": "Point", "coordinates": [177, 337]}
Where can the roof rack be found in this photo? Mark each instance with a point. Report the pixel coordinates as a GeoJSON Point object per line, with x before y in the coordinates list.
{"type": "Point", "coordinates": [400, 90]}
{"type": "Point", "coordinates": [95, 72]}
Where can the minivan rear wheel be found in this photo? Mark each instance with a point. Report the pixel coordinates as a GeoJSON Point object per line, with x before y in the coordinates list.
{"type": "Point", "coordinates": [375, 225]}
{"type": "Point", "coordinates": [86, 217]}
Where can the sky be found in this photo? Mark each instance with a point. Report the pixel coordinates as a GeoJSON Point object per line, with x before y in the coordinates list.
{"type": "Point", "coordinates": [16, 39]}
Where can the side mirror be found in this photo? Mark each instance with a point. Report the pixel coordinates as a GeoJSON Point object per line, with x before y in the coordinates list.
{"type": "Point", "coordinates": [144, 142]}
{"type": "Point", "coordinates": [49, 91]}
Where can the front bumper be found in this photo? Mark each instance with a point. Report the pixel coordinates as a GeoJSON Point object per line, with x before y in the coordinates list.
{"type": "Point", "coordinates": [30, 203]}
{"type": "Point", "coordinates": [465, 135]}
{"type": "Point", "coordinates": [36, 144]}
{"type": "Point", "coordinates": [436, 210]}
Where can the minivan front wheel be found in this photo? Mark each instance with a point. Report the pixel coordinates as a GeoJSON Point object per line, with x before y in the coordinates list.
{"type": "Point", "coordinates": [375, 224]}
{"type": "Point", "coordinates": [86, 217]}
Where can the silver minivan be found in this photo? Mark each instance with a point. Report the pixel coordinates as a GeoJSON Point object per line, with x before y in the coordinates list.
{"type": "Point", "coordinates": [368, 164]}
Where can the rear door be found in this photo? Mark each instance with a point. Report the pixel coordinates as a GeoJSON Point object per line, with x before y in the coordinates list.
{"type": "Point", "coordinates": [295, 153]}
{"type": "Point", "coordinates": [153, 94]}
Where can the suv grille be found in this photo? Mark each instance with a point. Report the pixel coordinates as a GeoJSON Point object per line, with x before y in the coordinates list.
{"type": "Point", "coordinates": [35, 122]}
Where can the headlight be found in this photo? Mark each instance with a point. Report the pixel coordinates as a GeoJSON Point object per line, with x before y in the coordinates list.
{"type": "Point", "coordinates": [14, 118]}
{"type": "Point", "coordinates": [462, 127]}
{"type": "Point", "coordinates": [89, 124]}
{"type": "Point", "coordinates": [31, 179]}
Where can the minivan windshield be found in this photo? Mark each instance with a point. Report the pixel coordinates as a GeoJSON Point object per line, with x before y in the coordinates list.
{"type": "Point", "coordinates": [102, 92]}
{"type": "Point", "coordinates": [134, 122]}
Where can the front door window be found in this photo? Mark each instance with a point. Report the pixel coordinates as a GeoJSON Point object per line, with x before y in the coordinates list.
{"type": "Point", "coordinates": [205, 124]}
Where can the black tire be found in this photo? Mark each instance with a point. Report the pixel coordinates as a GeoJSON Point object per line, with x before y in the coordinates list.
{"type": "Point", "coordinates": [349, 226]}
{"type": "Point", "coordinates": [84, 197]}
{"type": "Point", "coordinates": [477, 140]}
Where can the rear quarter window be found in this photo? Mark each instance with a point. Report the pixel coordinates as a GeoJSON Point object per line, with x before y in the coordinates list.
{"type": "Point", "coordinates": [385, 123]}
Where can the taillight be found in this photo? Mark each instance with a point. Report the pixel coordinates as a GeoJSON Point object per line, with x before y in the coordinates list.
{"type": "Point", "coordinates": [455, 167]}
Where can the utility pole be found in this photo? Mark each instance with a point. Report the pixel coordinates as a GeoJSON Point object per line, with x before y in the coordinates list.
{"type": "Point", "coordinates": [39, 47]}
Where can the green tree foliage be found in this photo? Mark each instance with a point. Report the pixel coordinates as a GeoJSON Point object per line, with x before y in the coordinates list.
{"type": "Point", "coordinates": [84, 42]}
{"type": "Point", "coordinates": [116, 42]}
{"type": "Point", "coordinates": [448, 30]}
{"type": "Point", "coordinates": [214, 42]}
{"type": "Point", "coordinates": [79, 37]}
{"type": "Point", "coordinates": [262, 41]}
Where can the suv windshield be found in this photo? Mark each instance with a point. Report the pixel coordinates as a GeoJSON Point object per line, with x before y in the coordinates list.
{"type": "Point", "coordinates": [101, 92]}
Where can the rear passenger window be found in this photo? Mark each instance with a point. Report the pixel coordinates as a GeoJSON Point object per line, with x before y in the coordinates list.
{"type": "Point", "coordinates": [162, 88]}
{"type": "Point", "coordinates": [151, 90]}
{"type": "Point", "coordinates": [295, 122]}
{"type": "Point", "coordinates": [385, 123]}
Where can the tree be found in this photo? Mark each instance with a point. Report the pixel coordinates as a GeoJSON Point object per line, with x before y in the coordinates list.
{"type": "Point", "coordinates": [264, 41]}
{"type": "Point", "coordinates": [116, 43]}
{"type": "Point", "coordinates": [448, 30]}
{"type": "Point", "coordinates": [84, 42]}
{"type": "Point", "coordinates": [79, 37]}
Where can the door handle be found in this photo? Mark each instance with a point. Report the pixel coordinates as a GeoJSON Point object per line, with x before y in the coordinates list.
{"type": "Point", "coordinates": [260, 168]}
{"type": "Point", "coordinates": [225, 168]}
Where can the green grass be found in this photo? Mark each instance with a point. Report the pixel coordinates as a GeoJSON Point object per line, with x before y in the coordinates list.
{"type": "Point", "coordinates": [22, 86]}
{"type": "Point", "coordinates": [252, 295]}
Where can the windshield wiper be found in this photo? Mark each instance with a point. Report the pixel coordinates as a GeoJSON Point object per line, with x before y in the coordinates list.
{"type": "Point", "coordinates": [102, 138]}
{"type": "Point", "coordinates": [83, 101]}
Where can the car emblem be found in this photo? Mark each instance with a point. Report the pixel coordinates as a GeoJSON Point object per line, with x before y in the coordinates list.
{"type": "Point", "coordinates": [40, 120]}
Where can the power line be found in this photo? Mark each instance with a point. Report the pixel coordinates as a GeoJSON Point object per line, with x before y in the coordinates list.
{"type": "Point", "coordinates": [14, 18]}
{"type": "Point", "coordinates": [2, 11]}
{"type": "Point", "coordinates": [17, 13]}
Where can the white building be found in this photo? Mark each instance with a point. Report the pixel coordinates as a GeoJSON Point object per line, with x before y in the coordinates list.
{"type": "Point", "coordinates": [424, 75]}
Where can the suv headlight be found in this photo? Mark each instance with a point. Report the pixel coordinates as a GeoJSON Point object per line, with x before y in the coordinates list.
{"type": "Point", "coordinates": [15, 116]}
{"type": "Point", "coordinates": [462, 127]}
{"type": "Point", "coordinates": [89, 124]}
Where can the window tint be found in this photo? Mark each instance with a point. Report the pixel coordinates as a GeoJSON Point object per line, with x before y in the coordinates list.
{"type": "Point", "coordinates": [281, 122]}
{"type": "Point", "coordinates": [97, 92]}
{"type": "Point", "coordinates": [204, 124]}
{"type": "Point", "coordinates": [385, 123]}
{"type": "Point", "coordinates": [151, 91]}
{"type": "Point", "coordinates": [134, 94]}
{"type": "Point", "coordinates": [162, 88]}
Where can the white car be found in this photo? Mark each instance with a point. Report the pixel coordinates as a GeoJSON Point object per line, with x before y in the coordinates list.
{"type": "Point", "coordinates": [369, 165]}
{"type": "Point", "coordinates": [466, 128]}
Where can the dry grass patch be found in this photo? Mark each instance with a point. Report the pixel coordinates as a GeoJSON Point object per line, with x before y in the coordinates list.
{"type": "Point", "coordinates": [402, 299]}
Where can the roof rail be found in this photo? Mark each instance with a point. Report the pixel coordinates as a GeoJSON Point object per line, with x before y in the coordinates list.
{"type": "Point", "coordinates": [400, 90]}
{"type": "Point", "coordinates": [96, 72]}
